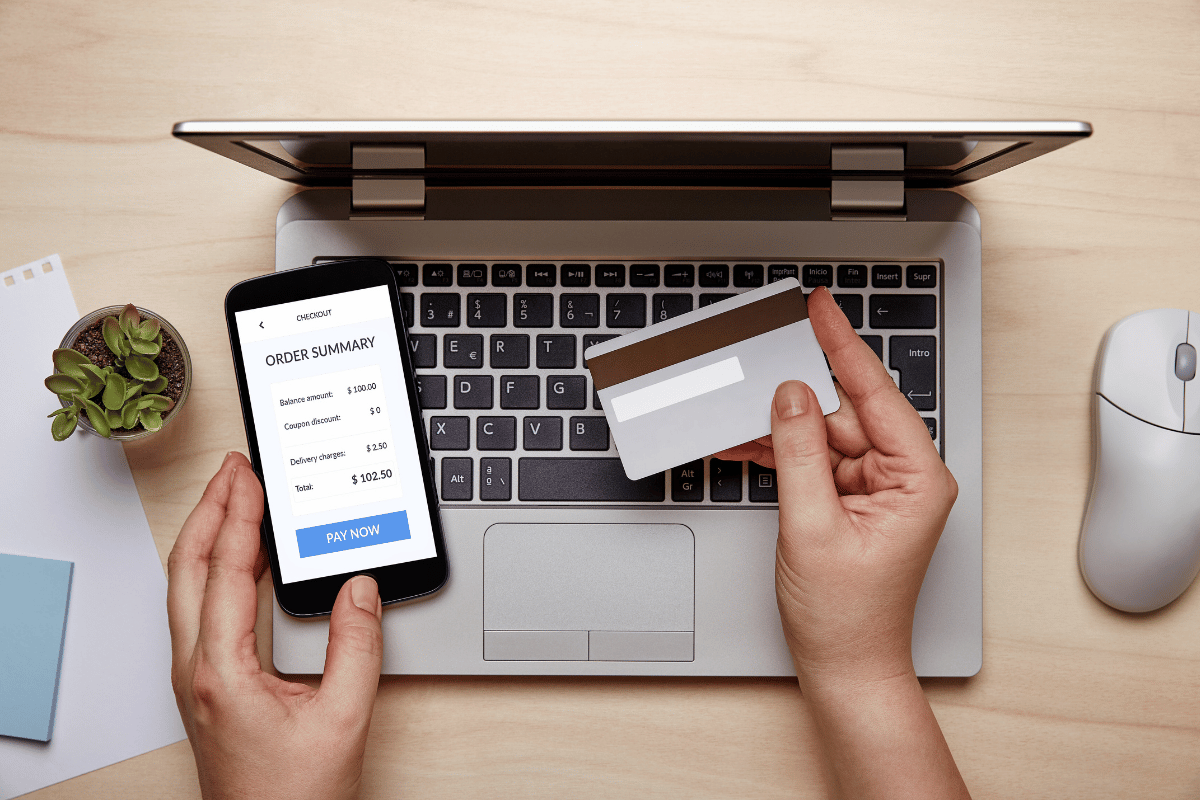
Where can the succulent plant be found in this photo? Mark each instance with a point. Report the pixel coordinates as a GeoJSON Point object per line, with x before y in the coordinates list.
{"type": "Point", "coordinates": [110, 398]}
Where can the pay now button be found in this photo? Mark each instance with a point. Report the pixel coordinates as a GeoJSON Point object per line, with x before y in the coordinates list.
{"type": "Point", "coordinates": [351, 534]}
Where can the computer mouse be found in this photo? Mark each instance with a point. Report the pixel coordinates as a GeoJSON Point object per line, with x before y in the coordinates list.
{"type": "Point", "coordinates": [1139, 547]}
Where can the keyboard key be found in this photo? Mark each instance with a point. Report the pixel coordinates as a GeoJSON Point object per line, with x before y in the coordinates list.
{"type": "Point", "coordinates": [519, 391]}
{"type": "Point", "coordinates": [449, 433]}
{"type": "Point", "coordinates": [886, 276]}
{"type": "Point", "coordinates": [585, 479]}
{"type": "Point", "coordinates": [748, 275]}
{"type": "Point", "coordinates": [665, 306]}
{"type": "Point", "coordinates": [595, 338]}
{"type": "Point", "coordinates": [496, 433]}
{"type": "Point", "coordinates": [687, 483]}
{"type": "Point", "coordinates": [509, 351]}
{"type": "Point", "coordinates": [643, 275]}
{"type": "Point", "coordinates": [679, 275]}
{"type": "Point", "coordinates": [709, 299]}
{"type": "Point", "coordinates": [566, 391]}
{"type": "Point", "coordinates": [852, 276]}
{"type": "Point", "coordinates": [903, 311]}
{"type": "Point", "coordinates": [915, 358]}
{"type": "Point", "coordinates": [626, 310]}
{"type": "Point", "coordinates": [931, 426]}
{"type": "Point", "coordinates": [851, 305]}
{"type": "Point", "coordinates": [543, 433]}
{"type": "Point", "coordinates": [579, 311]}
{"type": "Point", "coordinates": [473, 391]}
{"type": "Point", "coordinates": [576, 274]}
{"type": "Point", "coordinates": [763, 488]}
{"type": "Point", "coordinates": [431, 390]}
{"type": "Point", "coordinates": [589, 433]}
{"type": "Point", "coordinates": [556, 351]}
{"type": "Point", "coordinates": [438, 275]}
{"type": "Point", "coordinates": [777, 272]}
{"type": "Point", "coordinates": [610, 274]}
{"type": "Point", "coordinates": [406, 307]}
{"type": "Point", "coordinates": [876, 344]}
{"type": "Point", "coordinates": [423, 349]}
{"type": "Point", "coordinates": [818, 275]}
{"type": "Point", "coordinates": [533, 310]}
{"type": "Point", "coordinates": [540, 275]}
{"type": "Point", "coordinates": [456, 478]}
{"type": "Point", "coordinates": [462, 350]}
{"type": "Point", "coordinates": [714, 275]}
{"type": "Point", "coordinates": [439, 310]}
{"type": "Point", "coordinates": [506, 274]}
{"type": "Point", "coordinates": [406, 274]}
{"type": "Point", "coordinates": [472, 274]}
{"type": "Point", "coordinates": [596, 404]}
{"type": "Point", "coordinates": [487, 311]}
{"type": "Point", "coordinates": [725, 481]}
{"type": "Point", "coordinates": [922, 276]}
{"type": "Point", "coordinates": [495, 479]}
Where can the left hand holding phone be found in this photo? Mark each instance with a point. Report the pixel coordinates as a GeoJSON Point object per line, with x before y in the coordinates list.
{"type": "Point", "coordinates": [253, 734]}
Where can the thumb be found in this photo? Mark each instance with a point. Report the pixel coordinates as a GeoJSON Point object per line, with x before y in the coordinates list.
{"type": "Point", "coordinates": [355, 653]}
{"type": "Point", "coordinates": [808, 499]}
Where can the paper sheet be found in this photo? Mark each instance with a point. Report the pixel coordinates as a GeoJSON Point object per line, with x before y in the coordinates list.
{"type": "Point", "coordinates": [76, 501]}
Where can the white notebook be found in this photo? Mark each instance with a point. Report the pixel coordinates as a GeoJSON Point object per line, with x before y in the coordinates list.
{"type": "Point", "coordinates": [76, 501]}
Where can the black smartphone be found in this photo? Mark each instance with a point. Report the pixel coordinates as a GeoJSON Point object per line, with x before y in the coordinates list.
{"type": "Point", "coordinates": [335, 433]}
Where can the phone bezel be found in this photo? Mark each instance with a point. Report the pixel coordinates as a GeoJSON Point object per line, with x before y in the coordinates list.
{"type": "Point", "coordinates": [397, 582]}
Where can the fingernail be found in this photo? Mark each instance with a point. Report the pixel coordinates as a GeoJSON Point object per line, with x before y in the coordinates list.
{"type": "Point", "coordinates": [791, 399]}
{"type": "Point", "coordinates": [365, 594]}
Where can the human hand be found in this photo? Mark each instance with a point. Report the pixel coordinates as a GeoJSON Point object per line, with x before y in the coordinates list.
{"type": "Point", "coordinates": [253, 734]}
{"type": "Point", "coordinates": [863, 498]}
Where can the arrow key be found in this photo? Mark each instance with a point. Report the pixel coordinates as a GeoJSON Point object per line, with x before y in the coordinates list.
{"type": "Point", "coordinates": [915, 357]}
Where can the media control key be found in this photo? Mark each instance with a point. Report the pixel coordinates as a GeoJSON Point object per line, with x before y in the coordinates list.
{"type": "Point", "coordinates": [915, 358]}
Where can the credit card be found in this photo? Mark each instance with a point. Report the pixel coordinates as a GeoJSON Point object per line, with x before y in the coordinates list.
{"type": "Point", "coordinates": [702, 382]}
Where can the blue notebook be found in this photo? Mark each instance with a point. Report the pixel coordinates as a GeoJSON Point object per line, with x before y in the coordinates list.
{"type": "Point", "coordinates": [34, 593]}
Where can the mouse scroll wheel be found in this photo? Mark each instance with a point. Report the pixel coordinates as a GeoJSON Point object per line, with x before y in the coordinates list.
{"type": "Point", "coordinates": [1185, 362]}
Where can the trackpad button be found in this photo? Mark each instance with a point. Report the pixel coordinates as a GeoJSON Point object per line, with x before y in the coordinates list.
{"type": "Point", "coordinates": [596, 579]}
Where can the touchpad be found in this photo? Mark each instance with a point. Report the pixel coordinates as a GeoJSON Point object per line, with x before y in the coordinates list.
{"type": "Point", "coordinates": [578, 592]}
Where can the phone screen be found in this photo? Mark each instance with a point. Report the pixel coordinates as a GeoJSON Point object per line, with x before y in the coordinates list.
{"type": "Point", "coordinates": [333, 421]}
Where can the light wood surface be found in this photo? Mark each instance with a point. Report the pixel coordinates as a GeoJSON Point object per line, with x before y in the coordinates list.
{"type": "Point", "coordinates": [1074, 700]}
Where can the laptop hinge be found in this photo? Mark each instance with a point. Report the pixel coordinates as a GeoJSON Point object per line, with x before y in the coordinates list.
{"type": "Point", "coordinates": [874, 195]}
{"type": "Point", "coordinates": [397, 190]}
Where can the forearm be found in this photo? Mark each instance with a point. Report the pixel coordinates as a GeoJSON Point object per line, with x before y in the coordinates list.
{"type": "Point", "coordinates": [881, 739]}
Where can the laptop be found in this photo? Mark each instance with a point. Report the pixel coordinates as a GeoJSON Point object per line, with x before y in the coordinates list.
{"type": "Point", "coordinates": [520, 244]}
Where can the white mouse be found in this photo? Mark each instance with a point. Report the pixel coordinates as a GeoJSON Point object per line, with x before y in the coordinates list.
{"type": "Point", "coordinates": [1140, 544]}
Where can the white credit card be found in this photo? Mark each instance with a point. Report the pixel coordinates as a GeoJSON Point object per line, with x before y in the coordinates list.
{"type": "Point", "coordinates": [702, 382]}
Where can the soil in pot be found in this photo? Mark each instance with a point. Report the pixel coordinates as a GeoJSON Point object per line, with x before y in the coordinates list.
{"type": "Point", "coordinates": [90, 342]}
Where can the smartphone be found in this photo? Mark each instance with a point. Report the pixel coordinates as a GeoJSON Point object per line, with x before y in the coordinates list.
{"type": "Point", "coordinates": [335, 433]}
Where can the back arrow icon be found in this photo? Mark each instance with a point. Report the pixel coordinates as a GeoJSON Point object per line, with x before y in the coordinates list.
{"type": "Point", "coordinates": [261, 325]}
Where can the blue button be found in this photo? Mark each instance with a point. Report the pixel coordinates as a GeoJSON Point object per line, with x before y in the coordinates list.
{"type": "Point", "coordinates": [351, 534]}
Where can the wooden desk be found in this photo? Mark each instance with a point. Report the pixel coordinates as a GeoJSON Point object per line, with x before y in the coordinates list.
{"type": "Point", "coordinates": [1074, 700]}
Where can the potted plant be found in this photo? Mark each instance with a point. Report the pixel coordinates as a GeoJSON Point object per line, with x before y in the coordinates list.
{"type": "Point", "coordinates": [120, 373]}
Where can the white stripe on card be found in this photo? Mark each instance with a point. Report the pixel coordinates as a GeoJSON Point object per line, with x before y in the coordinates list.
{"type": "Point", "coordinates": [666, 393]}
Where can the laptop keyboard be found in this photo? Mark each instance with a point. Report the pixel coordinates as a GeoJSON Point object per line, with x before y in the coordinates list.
{"type": "Point", "coordinates": [509, 408]}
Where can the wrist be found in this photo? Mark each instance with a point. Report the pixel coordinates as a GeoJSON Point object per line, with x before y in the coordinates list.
{"type": "Point", "coordinates": [855, 683]}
